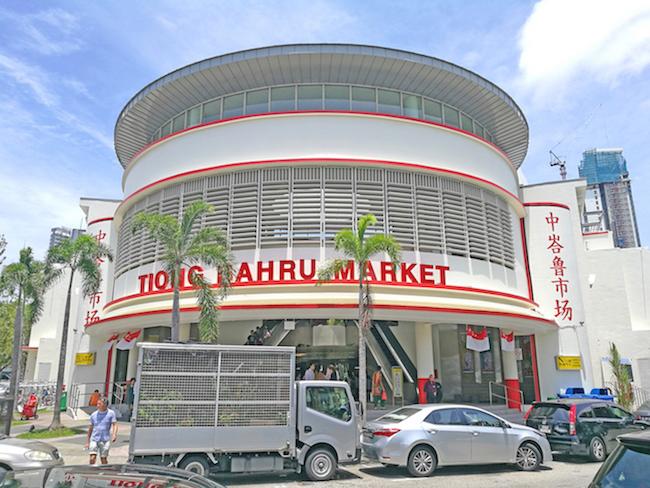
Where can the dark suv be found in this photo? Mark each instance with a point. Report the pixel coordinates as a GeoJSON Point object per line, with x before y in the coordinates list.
{"type": "Point", "coordinates": [581, 426]}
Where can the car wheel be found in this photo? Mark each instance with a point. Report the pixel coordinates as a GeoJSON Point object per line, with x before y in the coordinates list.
{"type": "Point", "coordinates": [597, 450]}
{"type": "Point", "coordinates": [422, 461]}
{"type": "Point", "coordinates": [195, 463]}
{"type": "Point", "coordinates": [320, 464]}
{"type": "Point", "coordinates": [528, 457]}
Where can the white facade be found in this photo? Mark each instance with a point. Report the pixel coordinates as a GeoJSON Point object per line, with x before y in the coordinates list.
{"type": "Point", "coordinates": [475, 243]}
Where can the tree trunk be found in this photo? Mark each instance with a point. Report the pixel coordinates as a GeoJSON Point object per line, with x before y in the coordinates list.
{"type": "Point", "coordinates": [362, 355]}
{"type": "Point", "coordinates": [56, 414]}
{"type": "Point", "coordinates": [15, 363]}
{"type": "Point", "coordinates": [176, 312]}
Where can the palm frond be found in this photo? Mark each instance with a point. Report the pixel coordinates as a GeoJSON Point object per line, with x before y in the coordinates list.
{"type": "Point", "coordinates": [347, 242]}
{"type": "Point", "coordinates": [164, 229]}
{"type": "Point", "coordinates": [331, 269]}
{"type": "Point", "coordinates": [382, 243]}
{"type": "Point", "coordinates": [91, 276]}
{"type": "Point", "coordinates": [208, 304]}
{"type": "Point", "coordinates": [190, 215]}
{"type": "Point", "coordinates": [363, 223]}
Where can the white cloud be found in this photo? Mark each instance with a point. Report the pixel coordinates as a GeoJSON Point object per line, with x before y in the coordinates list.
{"type": "Point", "coordinates": [590, 39]}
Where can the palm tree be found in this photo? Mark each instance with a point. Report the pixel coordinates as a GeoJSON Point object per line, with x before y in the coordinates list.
{"type": "Point", "coordinates": [361, 249]}
{"type": "Point", "coordinates": [622, 380]}
{"type": "Point", "coordinates": [80, 256]}
{"type": "Point", "coordinates": [23, 282]}
{"type": "Point", "coordinates": [183, 246]}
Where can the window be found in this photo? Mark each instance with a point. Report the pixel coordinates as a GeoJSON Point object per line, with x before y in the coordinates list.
{"type": "Point", "coordinates": [555, 412]}
{"type": "Point", "coordinates": [602, 412]}
{"type": "Point", "coordinates": [166, 129]}
{"type": "Point", "coordinates": [477, 418]}
{"type": "Point", "coordinates": [619, 413]}
{"type": "Point", "coordinates": [478, 130]}
{"type": "Point", "coordinates": [586, 414]}
{"type": "Point", "coordinates": [432, 110]}
{"type": "Point", "coordinates": [363, 99]}
{"type": "Point", "coordinates": [283, 99]}
{"type": "Point", "coordinates": [412, 106]}
{"type": "Point", "coordinates": [332, 401]}
{"type": "Point", "coordinates": [178, 123]}
{"type": "Point", "coordinates": [212, 111]}
{"type": "Point", "coordinates": [389, 102]}
{"type": "Point", "coordinates": [451, 117]}
{"type": "Point", "coordinates": [399, 414]}
{"type": "Point", "coordinates": [447, 416]}
{"type": "Point", "coordinates": [194, 116]}
{"type": "Point", "coordinates": [257, 101]}
{"type": "Point", "coordinates": [195, 335]}
{"type": "Point", "coordinates": [310, 97]}
{"type": "Point", "coordinates": [157, 334]}
{"type": "Point", "coordinates": [233, 106]}
{"type": "Point", "coordinates": [337, 97]}
{"type": "Point", "coordinates": [466, 123]}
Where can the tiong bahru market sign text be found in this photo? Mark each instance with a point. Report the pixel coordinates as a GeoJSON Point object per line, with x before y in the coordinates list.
{"type": "Point", "coordinates": [303, 271]}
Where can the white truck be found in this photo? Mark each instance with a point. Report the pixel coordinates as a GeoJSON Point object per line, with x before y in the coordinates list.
{"type": "Point", "coordinates": [237, 409]}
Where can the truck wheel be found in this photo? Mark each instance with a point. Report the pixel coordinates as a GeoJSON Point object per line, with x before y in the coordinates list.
{"type": "Point", "coordinates": [320, 464]}
{"type": "Point", "coordinates": [422, 461]}
{"type": "Point", "coordinates": [597, 450]}
{"type": "Point", "coordinates": [195, 463]}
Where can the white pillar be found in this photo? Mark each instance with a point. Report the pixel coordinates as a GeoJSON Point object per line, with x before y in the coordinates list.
{"type": "Point", "coordinates": [423, 355]}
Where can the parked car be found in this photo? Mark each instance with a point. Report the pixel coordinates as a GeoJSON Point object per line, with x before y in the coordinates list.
{"type": "Point", "coordinates": [627, 466]}
{"type": "Point", "coordinates": [24, 456]}
{"type": "Point", "coordinates": [115, 475]}
{"type": "Point", "coordinates": [424, 437]}
{"type": "Point", "coordinates": [581, 426]}
{"type": "Point", "coordinates": [642, 414]}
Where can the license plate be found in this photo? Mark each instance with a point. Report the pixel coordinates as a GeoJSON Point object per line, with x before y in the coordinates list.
{"type": "Point", "coordinates": [546, 429]}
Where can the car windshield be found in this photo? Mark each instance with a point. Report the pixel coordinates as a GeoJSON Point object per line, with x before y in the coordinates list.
{"type": "Point", "coordinates": [399, 415]}
{"type": "Point", "coordinates": [627, 468]}
{"type": "Point", "coordinates": [558, 413]}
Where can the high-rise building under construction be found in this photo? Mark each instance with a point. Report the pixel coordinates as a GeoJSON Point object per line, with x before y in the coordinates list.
{"type": "Point", "coordinates": [608, 203]}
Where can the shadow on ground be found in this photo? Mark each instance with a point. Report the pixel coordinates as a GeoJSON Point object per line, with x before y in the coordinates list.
{"type": "Point", "coordinates": [274, 479]}
{"type": "Point", "coordinates": [391, 472]}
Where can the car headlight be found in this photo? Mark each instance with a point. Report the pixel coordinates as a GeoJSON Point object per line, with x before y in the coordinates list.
{"type": "Point", "coordinates": [39, 456]}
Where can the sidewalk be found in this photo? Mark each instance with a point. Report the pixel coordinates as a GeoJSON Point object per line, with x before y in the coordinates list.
{"type": "Point", "coordinates": [72, 448]}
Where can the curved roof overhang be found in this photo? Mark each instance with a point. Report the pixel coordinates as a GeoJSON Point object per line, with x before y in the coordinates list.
{"type": "Point", "coordinates": [321, 63]}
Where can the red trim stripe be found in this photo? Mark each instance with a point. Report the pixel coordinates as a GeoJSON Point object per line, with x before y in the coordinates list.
{"type": "Point", "coordinates": [336, 282]}
{"type": "Point", "coordinates": [318, 112]}
{"type": "Point", "coordinates": [524, 245]}
{"type": "Point", "coordinates": [97, 221]}
{"type": "Point", "coordinates": [109, 361]}
{"type": "Point", "coordinates": [546, 204]}
{"type": "Point", "coordinates": [230, 166]}
{"type": "Point", "coordinates": [595, 233]}
{"type": "Point", "coordinates": [416, 308]}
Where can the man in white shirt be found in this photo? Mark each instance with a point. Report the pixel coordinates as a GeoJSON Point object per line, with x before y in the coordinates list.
{"type": "Point", "coordinates": [310, 374]}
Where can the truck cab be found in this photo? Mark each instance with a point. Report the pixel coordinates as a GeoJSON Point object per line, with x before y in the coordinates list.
{"type": "Point", "coordinates": [327, 423]}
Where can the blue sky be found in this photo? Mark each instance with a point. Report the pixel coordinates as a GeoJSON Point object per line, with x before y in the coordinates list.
{"type": "Point", "coordinates": [578, 69]}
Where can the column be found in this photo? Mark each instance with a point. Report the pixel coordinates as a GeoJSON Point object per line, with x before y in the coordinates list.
{"type": "Point", "coordinates": [423, 356]}
{"type": "Point", "coordinates": [511, 379]}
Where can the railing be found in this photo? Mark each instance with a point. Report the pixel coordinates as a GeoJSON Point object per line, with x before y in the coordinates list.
{"type": "Point", "coordinates": [505, 396]}
{"type": "Point", "coordinates": [80, 394]}
{"type": "Point", "coordinates": [44, 392]}
{"type": "Point", "coordinates": [639, 395]}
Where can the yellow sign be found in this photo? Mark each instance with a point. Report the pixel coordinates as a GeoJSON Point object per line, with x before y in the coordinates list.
{"type": "Point", "coordinates": [568, 362]}
{"type": "Point", "coordinates": [84, 359]}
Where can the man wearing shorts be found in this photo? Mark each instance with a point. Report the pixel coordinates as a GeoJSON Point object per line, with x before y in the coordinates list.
{"type": "Point", "coordinates": [102, 431]}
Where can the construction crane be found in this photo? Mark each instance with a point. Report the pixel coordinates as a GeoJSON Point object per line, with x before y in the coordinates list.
{"type": "Point", "coordinates": [556, 161]}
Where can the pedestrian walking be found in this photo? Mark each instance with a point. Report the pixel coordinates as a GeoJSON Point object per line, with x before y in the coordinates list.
{"type": "Point", "coordinates": [102, 432]}
{"type": "Point", "coordinates": [378, 393]}
{"type": "Point", "coordinates": [310, 374]}
{"type": "Point", "coordinates": [94, 398]}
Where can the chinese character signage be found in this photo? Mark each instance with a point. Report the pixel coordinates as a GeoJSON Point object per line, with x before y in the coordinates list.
{"type": "Point", "coordinates": [91, 314]}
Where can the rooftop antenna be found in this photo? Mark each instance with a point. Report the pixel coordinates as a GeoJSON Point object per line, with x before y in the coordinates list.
{"type": "Point", "coordinates": [555, 161]}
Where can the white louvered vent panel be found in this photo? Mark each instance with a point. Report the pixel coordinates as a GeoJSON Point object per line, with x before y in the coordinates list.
{"type": "Point", "coordinates": [495, 235]}
{"type": "Point", "coordinates": [306, 208]}
{"type": "Point", "coordinates": [454, 220]}
{"type": "Point", "coordinates": [244, 210]}
{"type": "Point", "coordinates": [399, 197]}
{"type": "Point", "coordinates": [429, 219]}
{"type": "Point", "coordinates": [370, 197]}
{"type": "Point", "coordinates": [148, 244]}
{"type": "Point", "coordinates": [508, 241]}
{"type": "Point", "coordinates": [193, 193]}
{"type": "Point", "coordinates": [338, 200]}
{"type": "Point", "coordinates": [124, 244]}
{"type": "Point", "coordinates": [137, 238]}
{"type": "Point", "coordinates": [476, 227]}
{"type": "Point", "coordinates": [217, 194]}
{"type": "Point", "coordinates": [274, 224]}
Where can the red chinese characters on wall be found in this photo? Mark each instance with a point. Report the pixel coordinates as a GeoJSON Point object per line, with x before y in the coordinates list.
{"type": "Point", "coordinates": [562, 309]}
{"type": "Point", "coordinates": [92, 314]}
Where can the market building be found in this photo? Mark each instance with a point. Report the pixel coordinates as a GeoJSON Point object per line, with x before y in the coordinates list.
{"type": "Point", "coordinates": [291, 144]}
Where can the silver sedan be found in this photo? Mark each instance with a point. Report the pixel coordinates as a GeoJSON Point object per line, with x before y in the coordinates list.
{"type": "Point", "coordinates": [423, 437]}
